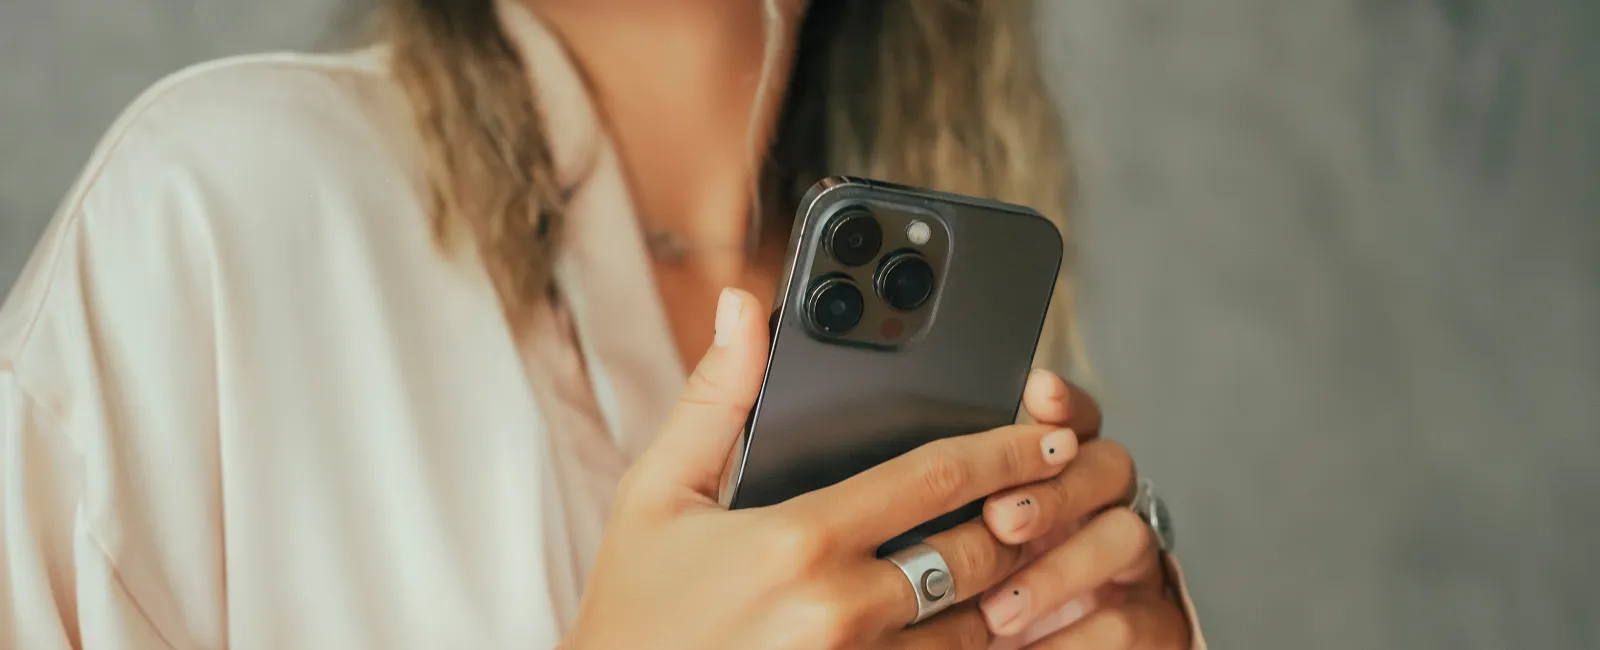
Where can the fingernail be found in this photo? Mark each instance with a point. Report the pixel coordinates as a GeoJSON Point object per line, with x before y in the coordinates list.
{"type": "Point", "coordinates": [1038, 374]}
{"type": "Point", "coordinates": [1056, 391]}
{"type": "Point", "coordinates": [1016, 513]}
{"type": "Point", "coordinates": [1059, 446]}
{"type": "Point", "coordinates": [1003, 610]}
{"type": "Point", "coordinates": [1053, 389]}
{"type": "Point", "coordinates": [1071, 612]}
{"type": "Point", "coordinates": [729, 307]}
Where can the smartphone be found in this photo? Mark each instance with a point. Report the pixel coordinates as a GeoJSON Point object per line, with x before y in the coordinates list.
{"type": "Point", "coordinates": [903, 316]}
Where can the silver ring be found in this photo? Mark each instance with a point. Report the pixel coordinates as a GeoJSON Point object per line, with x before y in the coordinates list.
{"type": "Point", "coordinates": [1153, 510]}
{"type": "Point", "coordinates": [930, 579]}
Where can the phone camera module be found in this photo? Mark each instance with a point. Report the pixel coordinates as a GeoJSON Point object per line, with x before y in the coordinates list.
{"type": "Point", "coordinates": [855, 237]}
{"type": "Point", "coordinates": [905, 280]}
{"type": "Point", "coordinates": [835, 305]}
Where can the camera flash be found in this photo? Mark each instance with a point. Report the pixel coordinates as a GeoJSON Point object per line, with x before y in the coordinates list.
{"type": "Point", "coordinates": [919, 233]}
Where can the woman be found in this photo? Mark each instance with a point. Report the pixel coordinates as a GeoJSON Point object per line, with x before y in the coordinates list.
{"type": "Point", "coordinates": [367, 350]}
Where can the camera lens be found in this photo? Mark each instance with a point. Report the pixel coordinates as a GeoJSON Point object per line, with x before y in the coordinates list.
{"type": "Point", "coordinates": [855, 237]}
{"type": "Point", "coordinates": [835, 305]}
{"type": "Point", "coordinates": [905, 281]}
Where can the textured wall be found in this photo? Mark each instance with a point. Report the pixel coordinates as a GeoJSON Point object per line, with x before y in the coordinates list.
{"type": "Point", "coordinates": [1345, 293]}
{"type": "Point", "coordinates": [1343, 282]}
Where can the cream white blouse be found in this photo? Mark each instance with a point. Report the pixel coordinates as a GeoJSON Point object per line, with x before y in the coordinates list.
{"type": "Point", "coordinates": [245, 401]}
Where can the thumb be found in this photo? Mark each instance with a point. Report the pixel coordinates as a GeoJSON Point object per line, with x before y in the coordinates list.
{"type": "Point", "coordinates": [693, 447]}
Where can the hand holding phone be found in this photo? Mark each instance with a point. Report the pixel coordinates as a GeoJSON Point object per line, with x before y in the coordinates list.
{"type": "Point", "coordinates": [904, 316]}
{"type": "Point", "coordinates": [906, 323]}
{"type": "Point", "coordinates": [676, 570]}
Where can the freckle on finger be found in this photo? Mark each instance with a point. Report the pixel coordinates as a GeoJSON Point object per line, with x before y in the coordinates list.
{"type": "Point", "coordinates": [1010, 515]}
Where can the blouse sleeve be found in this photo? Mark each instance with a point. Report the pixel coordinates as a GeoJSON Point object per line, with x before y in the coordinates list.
{"type": "Point", "coordinates": [58, 586]}
{"type": "Point", "coordinates": [110, 514]}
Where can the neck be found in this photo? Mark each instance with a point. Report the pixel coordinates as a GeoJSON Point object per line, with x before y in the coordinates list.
{"type": "Point", "coordinates": [676, 82]}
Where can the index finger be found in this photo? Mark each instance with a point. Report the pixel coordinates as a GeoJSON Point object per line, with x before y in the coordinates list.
{"type": "Point", "coordinates": [935, 479]}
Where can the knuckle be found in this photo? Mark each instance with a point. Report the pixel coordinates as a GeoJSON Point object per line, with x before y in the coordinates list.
{"type": "Point", "coordinates": [1118, 464]}
{"type": "Point", "coordinates": [707, 392]}
{"type": "Point", "coordinates": [701, 386]}
{"type": "Point", "coordinates": [1112, 469]}
{"type": "Point", "coordinates": [977, 559]}
{"type": "Point", "coordinates": [1070, 571]}
{"type": "Point", "coordinates": [802, 543]}
{"type": "Point", "coordinates": [1018, 457]}
{"type": "Point", "coordinates": [944, 473]}
{"type": "Point", "coordinates": [1060, 490]}
{"type": "Point", "coordinates": [1128, 530]}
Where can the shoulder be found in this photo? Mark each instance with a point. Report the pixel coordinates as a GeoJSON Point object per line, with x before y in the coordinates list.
{"type": "Point", "coordinates": [245, 134]}
{"type": "Point", "coordinates": [257, 85]}
{"type": "Point", "coordinates": [266, 115]}
{"type": "Point", "coordinates": [234, 152]}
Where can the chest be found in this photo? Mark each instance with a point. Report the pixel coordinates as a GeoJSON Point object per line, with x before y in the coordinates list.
{"type": "Point", "coordinates": [434, 482]}
{"type": "Point", "coordinates": [402, 468]}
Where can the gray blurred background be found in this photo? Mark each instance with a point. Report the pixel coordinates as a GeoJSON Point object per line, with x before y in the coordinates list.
{"type": "Point", "coordinates": [1343, 283]}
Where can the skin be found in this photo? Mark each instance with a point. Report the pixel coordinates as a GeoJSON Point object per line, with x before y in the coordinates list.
{"type": "Point", "coordinates": [677, 571]}
{"type": "Point", "coordinates": [674, 83]}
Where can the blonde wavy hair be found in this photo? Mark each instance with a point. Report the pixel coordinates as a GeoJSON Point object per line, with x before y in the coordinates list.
{"type": "Point", "coordinates": [944, 94]}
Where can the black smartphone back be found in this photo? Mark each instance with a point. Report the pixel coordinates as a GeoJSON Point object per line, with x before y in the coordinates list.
{"type": "Point", "coordinates": [904, 315]}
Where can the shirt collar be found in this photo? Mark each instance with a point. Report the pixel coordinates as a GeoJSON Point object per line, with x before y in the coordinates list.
{"type": "Point", "coordinates": [605, 275]}
{"type": "Point", "coordinates": [572, 123]}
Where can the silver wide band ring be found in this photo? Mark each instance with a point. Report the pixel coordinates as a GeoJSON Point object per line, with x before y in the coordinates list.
{"type": "Point", "coordinates": [1153, 510]}
{"type": "Point", "coordinates": [930, 579]}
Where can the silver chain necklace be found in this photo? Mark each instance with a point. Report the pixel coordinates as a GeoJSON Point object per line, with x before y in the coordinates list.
{"type": "Point", "coordinates": [670, 248]}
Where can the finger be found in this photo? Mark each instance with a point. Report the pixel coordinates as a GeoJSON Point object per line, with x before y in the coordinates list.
{"type": "Point", "coordinates": [1045, 397]}
{"type": "Point", "coordinates": [1138, 624]}
{"type": "Point", "coordinates": [702, 428]}
{"type": "Point", "coordinates": [1066, 615]}
{"type": "Point", "coordinates": [1146, 573]}
{"type": "Point", "coordinates": [1108, 546]}
{"type": "Point", "coordinates": [935, 479]}
{"type": "Point", "coordinates": [959, 628]}
{"type": "Point", "coordinates": [1049, 399]}
{"type": "Point", "coordinates": [1102, 475]}
{"type": "Point", "coordinates": [976, 559]}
